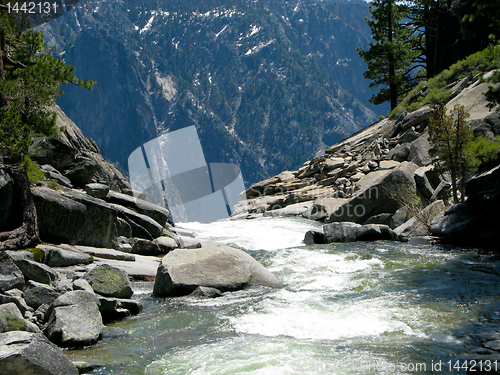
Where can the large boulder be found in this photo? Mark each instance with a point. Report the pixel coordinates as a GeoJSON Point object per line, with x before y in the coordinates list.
{"type": "Point", "coordinates": [159, 214]}
{"type": "Point", "coordinates": [10, 275]}
{"type": "Point", "coordinates": [60, 219]}
{"type": "Point", "coordinates": [32, 353]}
{"type": "Point", "coordinates": [118, 308]}
{"type": "Point", "coordinates": [216, 266]}
{"type": "Point", "coordinates": [423, 183]}
{"type": "Point", "coordinates": [38, 272]}
{"type": "Point", "coordinates": [416, 118]}
{"type": "Point", "coordinates": [166, 244]}
{"type": "Point", "coordinates": [96, 190]}
{"type": "Point", "coordinates": [73, 297]}
{"type": "Point", "coordinates": [37, 294]}
{"type": "Point", "coordinates": [419, 150]}
{"type": "Point", "coordinates": [81, 171]}
{"type": "Point", "coordinates": [475, 221]}
{"type": "Point", "coordinates": [142, 226]}
{"type": "Point", "coordinates": [111, 309]}
{"type": "Point", "coordinates": [72, 136]}
{"type": "Point", "coordinates": [75, 325]}
{"type": "Point", "coordinates": [51, 173]}
{"type": "Point", "coordinates": [82, 284]}
{"type": "Point", "coordinates": [100, 225]}
{"type": "Point", "coordinates": [109, 281]}
{"type": "Point", "coordinates": [145, 247]}
{"type": "Point", "coordinates": [57, 257]}
{"type": "Point", "coordinates": [73, 217]}
{"type": "Point", "coordinates": [16, 299]}
{"type": "Point", "coordinates": [379, 194]}
{"type": "Point", "coordinates": [11, 319]}
{"type": "Point", "coordinates": [53, 151]}
{"type": "Point", "coordinates": [351, 232]}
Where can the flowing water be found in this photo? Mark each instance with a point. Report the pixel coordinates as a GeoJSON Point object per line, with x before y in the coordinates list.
{"type": "Point", "coordinates": [361, 308]}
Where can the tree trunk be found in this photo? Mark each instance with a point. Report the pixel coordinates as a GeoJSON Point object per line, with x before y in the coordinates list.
{"type": "Point", "coordinates": [4, 101]}
{"type": "Point", "coordinates": [393, 89]}
{"type": "Point", "coordinates": [27, 235]}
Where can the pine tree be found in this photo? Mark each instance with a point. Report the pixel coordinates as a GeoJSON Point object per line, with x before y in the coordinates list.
{"type": "Point", "coordinates": [449, 136]}
{"type": "Point", "coordinates": [30, 81]}
{"type": "Point", "coordinates": [391, 58]}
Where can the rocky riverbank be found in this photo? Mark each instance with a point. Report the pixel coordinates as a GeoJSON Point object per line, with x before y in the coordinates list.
{"type": "Point", "coordinates": [383, 180]}
{"type": "Point", "coordinates": [97, 237]}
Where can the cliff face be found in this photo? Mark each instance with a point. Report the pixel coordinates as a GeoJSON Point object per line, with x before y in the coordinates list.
{"type": "Point", "coordinates": [271, 81]}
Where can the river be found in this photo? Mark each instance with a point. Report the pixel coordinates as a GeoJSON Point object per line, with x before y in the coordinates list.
{"type": "Point", "coordinates": [360, 308]}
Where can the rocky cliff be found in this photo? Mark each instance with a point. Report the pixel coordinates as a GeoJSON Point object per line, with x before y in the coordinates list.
{"type": "Point", "coordinates": [273, 81]}
{"type": "Point", "coordinates": [380, 183]}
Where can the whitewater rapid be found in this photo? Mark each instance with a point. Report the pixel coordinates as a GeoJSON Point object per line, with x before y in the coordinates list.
{"type": "Point", "coordinates": [362, 308]}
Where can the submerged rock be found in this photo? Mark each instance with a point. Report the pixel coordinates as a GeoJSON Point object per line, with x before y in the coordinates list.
{"type": "Point", "coordinates": [32, 353]}
{"type": "Point", "coordinates": [206, 292]}
{"type": "Point", "coordinates": [215, 266]}
{"type": "Point", "coordinates": [351, 232]}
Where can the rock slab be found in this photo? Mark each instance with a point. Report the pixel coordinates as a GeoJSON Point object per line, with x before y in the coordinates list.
{"type": "Point", "coordinates": [215, 266]}
{"type": "Point", "coordinates": [32, 353]}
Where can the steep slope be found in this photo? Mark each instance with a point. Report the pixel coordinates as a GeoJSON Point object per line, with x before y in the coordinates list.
{"type": "Point", "coordinates": [384, 174]}
{"type": "Point", "coordinates": [268, 83]}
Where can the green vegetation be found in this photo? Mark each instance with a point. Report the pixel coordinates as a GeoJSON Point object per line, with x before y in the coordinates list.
{"type": "Point", "coordinates": [30, 81]}
{"type": "Point", "coordinates": [438, 90]}
{"type": "Point", "coordinates": [493, 94]}
{"type": "Point", "coordinates": [457, 151]}
{"type": "Point", "coordinates": [35, 174]}
{"type": "Point", "coordinates": [449, 135]}
{"type": "Point", "coordinates": [482, 151]}
{"type": "Point", "coordinates": [422, 38]}
{"type": "Point", "coordinates": [391, 59]}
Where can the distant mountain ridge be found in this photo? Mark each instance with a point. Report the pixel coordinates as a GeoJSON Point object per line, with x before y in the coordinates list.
{"type": "Point", "coordinates": [267, 83]}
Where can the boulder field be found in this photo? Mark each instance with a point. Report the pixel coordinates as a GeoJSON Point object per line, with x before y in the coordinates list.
{"type": "Point", "coordinates": [383, 179]}
{"type": "Point", "coordinates": [96, 238]}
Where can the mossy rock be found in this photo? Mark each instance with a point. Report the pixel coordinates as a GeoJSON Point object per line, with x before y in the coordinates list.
{"type": "Point", "coordinates": [39, 254]}
{"type": "Point", "coordinates": [11, 319]}
{"type": "Point", "coordinates": [109, 281]}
